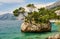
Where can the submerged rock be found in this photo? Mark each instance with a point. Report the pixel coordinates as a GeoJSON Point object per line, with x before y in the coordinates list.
{"type": "Point", "coordinates": [57, 36]}
{"type": "Point", "coordinates": [27, 27]}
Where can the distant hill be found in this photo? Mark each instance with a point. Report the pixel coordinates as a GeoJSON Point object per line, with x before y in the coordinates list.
{"type": "Point", "coordinates": [54, 5]}
{"type": "Point", "coordinates": [7, 16]}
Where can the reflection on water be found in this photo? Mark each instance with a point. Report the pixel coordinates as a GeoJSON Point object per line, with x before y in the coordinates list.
{"type": "Point", "coordinates": [11, 30]}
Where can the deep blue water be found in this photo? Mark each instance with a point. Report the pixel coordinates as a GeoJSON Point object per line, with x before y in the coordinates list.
{"type": "Point", "coordinates": [11, 30]}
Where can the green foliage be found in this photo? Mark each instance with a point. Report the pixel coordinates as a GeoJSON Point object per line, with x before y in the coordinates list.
{"type": "Point", "coordinates": [21, 10]}
{"type": "Point", "coordinates": [55, 8]}
{"type": "Point", "coordinates": [31, 5]}
{"type": "Point", "coordinates": [42, 16]}
{"type": "Point", "coordinates": [46, 15]}
{"type": "Point", "coordinates": [15, 12]}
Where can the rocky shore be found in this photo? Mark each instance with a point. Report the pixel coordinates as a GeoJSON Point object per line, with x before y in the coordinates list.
{"type": "Point", "coordinates": [57, 36]}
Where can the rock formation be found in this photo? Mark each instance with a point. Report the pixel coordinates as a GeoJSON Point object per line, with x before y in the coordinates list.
{"type": "Point", "coordinates": [27, 27]}
{"type": "Point", "coordinates": [57, 36]}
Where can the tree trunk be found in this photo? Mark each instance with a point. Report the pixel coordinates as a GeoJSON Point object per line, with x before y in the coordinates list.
{"type": "Point", "coordinates": [30, 20]}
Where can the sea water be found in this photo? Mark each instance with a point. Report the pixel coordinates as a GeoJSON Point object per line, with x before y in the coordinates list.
{"type": "Point", "coordinates": [10, 29]}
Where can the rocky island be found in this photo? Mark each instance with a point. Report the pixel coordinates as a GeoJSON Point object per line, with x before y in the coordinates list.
{"type": "Point", "coordinates": [37, 21]}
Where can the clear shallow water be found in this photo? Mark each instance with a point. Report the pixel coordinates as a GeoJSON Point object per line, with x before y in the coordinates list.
{"type": "Point", "coordinates": [11, 30]}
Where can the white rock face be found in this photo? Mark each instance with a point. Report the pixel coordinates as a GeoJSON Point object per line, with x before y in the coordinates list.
{"type": "Point", "coordinates": [23, 26]}
{"type": "Point", "coordinates": [57, 12]}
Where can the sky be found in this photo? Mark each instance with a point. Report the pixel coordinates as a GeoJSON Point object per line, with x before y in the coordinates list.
{"type": "Point", "coordinates": [8, 6]}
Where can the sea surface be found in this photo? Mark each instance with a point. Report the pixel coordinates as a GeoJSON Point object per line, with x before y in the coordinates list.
{"type": "Point", "coordinates": [10, 29]}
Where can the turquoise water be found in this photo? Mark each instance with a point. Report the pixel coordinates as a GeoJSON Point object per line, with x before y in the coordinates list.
{"type": "Point", "coordinates": [11, 30]}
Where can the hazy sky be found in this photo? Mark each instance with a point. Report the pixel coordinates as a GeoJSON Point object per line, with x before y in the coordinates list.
{"type": "Point", "coordinates": [7, 6]}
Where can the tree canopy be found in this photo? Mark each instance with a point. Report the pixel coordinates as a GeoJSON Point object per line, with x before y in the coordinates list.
{"type": "Point", "coordinates": [42, 16]}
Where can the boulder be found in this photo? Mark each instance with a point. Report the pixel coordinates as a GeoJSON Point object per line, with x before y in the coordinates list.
{"type": "Point", "coordinates": [27, 27]}
{"type": "Point", "coordinates": [57, 36]}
